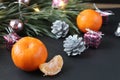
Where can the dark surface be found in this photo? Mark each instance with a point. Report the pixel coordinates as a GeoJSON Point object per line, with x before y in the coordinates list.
{"type": "Point", "coordinates": [102, 63]}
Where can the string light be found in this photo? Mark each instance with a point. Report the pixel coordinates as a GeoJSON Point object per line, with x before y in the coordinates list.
{"type": "Point", "coordinates": [36, 9]}
{"type": "Point", "coordinates": [62, 4]}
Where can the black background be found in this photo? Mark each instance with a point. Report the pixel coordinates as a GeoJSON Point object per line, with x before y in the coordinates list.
{"type": "Point", "coordinates": [102, 63]}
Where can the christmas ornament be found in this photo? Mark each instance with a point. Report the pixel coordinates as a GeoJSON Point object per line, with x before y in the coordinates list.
{"type": "Point", "coordinates": [60, 28]}
{"type": "Point", "coordinates": [92, 38]}
{"type": "Point", "coordinates": [59, 4]}
{"type": "Point", "coordinates": [104, 14]}
{"type": "Point", "coordinates": [10, 39]}
{"type": "Point", "coordinates": [104, 19]}
{"type": "Point", "coordinates": [74, 45]}
{"type": "Point", "coordinates": [24, 1]}
{"type": "Point", "coordinates": [16, 25]}
{"type": "Point", "coordinates": [117, 32]}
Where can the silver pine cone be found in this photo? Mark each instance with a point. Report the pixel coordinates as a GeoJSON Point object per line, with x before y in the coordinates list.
{"type": "Point", "coordinates": [74, 45]}
{"type": "Point", "coordinates": [60, 28]}
{"type": "Point", "coordinates": [117, 32]}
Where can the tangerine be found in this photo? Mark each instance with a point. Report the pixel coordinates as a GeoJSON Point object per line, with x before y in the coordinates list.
{"type": "Point", "coordinates": [28, 53]}
{"type": "Point", "coordinates": [89, 19]}
{"type": "Point", "coordinates": [52, 67]}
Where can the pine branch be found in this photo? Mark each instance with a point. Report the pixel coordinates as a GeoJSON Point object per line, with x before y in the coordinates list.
{"type": "Point", "coordinates": [39, 23]}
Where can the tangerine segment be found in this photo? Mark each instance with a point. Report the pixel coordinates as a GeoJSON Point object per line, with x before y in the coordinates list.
{"type": "Point", "coordinates": [28, 53]}
{"type": "Point", "coordinates": [53, 67]}
{"type": "Point", "coordinates": [89, 19]}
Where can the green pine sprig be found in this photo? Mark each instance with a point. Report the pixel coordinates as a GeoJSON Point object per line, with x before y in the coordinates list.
{"type": "Point", "coordinates": [39, 23]}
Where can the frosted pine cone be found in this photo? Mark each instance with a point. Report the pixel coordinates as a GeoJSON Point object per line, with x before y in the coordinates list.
{"type": "Point", "coordinates": [74, 45]}
{"type": "Point", "coordinates": [60, 28]}
{"type": "Point", "coordinates": [117, 32]}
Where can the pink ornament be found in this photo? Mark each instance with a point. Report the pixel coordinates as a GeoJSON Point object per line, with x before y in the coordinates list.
{"type": "Point", "coordinates": [10, 39]}
{"type": "Point", "coordinates": [59, 3]}
{"type": "Point", "coordinates": [104, 19]}
{"type": "Point", "coordinates": [104, 14]}
{"type": "Point", "coordinates": [92, 38]}
{"type": "Point", "coordinates": [16, 25]}
{"type": "Point", "coordinates": [24, 1]}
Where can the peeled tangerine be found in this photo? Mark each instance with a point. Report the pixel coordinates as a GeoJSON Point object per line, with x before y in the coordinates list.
{"type": "Point", "coordinates": [53, 67]}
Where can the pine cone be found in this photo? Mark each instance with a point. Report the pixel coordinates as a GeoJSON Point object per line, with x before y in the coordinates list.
{"type": "Point", "coordinates": [117, 33]}
{"type": "Point", "coordinates": [60, 28]}
{"type": "Point", "coordinates": [74, 45]}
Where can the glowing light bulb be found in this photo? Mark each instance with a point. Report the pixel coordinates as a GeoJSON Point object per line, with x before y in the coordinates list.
{"type": "Point", "coordinates": [36, 9]}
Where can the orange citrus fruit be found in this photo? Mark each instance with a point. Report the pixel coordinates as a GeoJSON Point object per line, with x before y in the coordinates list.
{"type": "Point", "coordinates": [28, 53]}
{"type": "Point", "coordinates": [53, 67]}
{"type": "Point", "coordinates": [89, 19]}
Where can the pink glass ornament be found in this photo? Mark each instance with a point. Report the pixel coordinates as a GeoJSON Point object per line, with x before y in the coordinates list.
{"type": "Point", "coordinates": [24, 1]}
{"type": "Point", "coordinates": [59, 3]}
{"type": "Point", "coordinates": [105, 14]}
{"type": "Point", "coordinates": [10, 39]}
{"type": "Point", "coordinates": [16, 25]}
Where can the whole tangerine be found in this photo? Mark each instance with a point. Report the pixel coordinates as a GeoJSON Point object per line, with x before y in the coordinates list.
{"type": "Point", "coordinates": [90, 19]}
{"type": "Point", "coordinates": [28, 53]}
